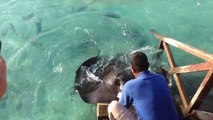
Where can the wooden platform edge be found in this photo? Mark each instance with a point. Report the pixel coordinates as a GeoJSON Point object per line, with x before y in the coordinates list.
{"type": "Point", "coordinates": [101, 110]}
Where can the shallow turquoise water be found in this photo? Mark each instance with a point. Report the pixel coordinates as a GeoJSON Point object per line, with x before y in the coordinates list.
{"type": "Point", "coordinates": [44, 42]}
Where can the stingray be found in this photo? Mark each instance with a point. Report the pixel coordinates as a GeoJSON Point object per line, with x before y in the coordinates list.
{"type": "Point", "coordinates": [98, 79]}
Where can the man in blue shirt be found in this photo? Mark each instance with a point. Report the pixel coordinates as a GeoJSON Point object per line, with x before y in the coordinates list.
{"type": "Point", "coordinates": [148, 93]}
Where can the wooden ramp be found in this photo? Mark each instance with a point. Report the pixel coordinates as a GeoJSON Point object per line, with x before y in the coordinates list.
{"type": "Point", "coordinates": [188, 107]}
{"type": "Point", "coordinates": [102, 113]}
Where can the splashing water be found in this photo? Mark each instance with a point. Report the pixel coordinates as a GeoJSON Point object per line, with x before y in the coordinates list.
{"type": "Point", "coordinates": [92, 77]}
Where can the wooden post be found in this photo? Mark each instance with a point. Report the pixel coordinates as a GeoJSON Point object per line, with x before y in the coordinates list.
{"type": "Point", "coordinates": [202, 92]}
{"type": "Point", "coordinates": [181, 89]}
{"type": "Point", "coordinates": [191, 68]}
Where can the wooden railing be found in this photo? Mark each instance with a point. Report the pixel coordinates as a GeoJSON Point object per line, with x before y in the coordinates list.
{"type": "Point", "coordinates": [206, 84]}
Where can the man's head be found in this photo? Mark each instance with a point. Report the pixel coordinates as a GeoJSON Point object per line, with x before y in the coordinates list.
{"type": "Point", "coordinates": [139, 62]}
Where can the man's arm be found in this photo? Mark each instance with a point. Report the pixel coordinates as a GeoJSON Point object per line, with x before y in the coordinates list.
{"type": "Point", "coordinates": [126, 97]}
{"type": "Point", "coordinates": [3, 82]}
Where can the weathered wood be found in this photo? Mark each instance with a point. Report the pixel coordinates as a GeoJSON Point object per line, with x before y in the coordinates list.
{"type": "Point", "coordinates": [206, 84]}
{"type": "Point", "coordinates": [157, 35]}
{"type": "Point", "coordinates": [177, 77]}
{"type": "Point", "coordinates": [102, 113]}
{"type": "Point", "coordinates": [194, 51]}
{"type": "Point", "coordinates": [202, 92]}
{"type": "Point", "coordinates": [160, 45]}
{"type": "Point", "coordinates": [191, 68]}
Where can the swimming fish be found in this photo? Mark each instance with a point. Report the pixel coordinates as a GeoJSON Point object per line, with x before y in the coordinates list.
{"type": "Point", "coordinates": [112, 15]}
{"type": "Point", "coordinates": [28, 17]}
{"type": "Point", "coordinates": [79, 8]}
{"type": "Point", "coordinates": [87, 44]}
{"type": "Point", "coordinates": [38, 24]}
{"type": "Point", "coordinates": [12, 27]}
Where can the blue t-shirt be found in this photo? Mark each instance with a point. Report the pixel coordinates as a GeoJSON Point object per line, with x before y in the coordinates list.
{"type": "Point", "coordinates": [150, 96]}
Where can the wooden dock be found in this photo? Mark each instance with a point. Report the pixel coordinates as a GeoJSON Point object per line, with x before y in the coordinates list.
{"type": "Point", "coordinates": [189, 108]}
{"type": "Point", "coordinates": [102, 113]}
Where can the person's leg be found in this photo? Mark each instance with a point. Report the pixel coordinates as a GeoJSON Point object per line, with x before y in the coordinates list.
{"type": "Point", "coordinates": [118, 112]}
{"type": "Point", "coordinates": [3, 82]}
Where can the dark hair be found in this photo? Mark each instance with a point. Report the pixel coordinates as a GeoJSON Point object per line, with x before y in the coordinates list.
{"type": "Point", "coordinates": [139, 61]}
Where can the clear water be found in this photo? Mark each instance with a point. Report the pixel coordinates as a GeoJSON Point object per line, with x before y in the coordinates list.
{"type": "Point", "coordinates": [44, 42]}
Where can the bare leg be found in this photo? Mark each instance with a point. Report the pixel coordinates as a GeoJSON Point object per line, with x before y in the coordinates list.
{"type": "Point", "coordinates": [3, 82]}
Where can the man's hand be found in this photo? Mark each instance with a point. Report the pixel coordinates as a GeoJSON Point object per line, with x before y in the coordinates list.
{"type": "Point", "coordinates": [119, 95]}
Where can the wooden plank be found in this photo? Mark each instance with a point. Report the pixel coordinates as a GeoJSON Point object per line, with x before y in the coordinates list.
{"type": "Point", "coordinates": [194, 51]}
{"type": "Point", "coordinates": [157, 35]}
{"type": "Point", "coordinates": [202, 92]}
{"type": "Point", "coordinates": [177, 77]}
{"type": "Point", "coordinates": [160, 45]}
{"type": "Point", "coordinates": [102, 110]}
{"type": "Point", "coordinates": [192, 68]}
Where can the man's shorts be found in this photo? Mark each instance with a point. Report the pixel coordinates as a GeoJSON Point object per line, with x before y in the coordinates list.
{"type": "Point", "coordinates": [118, 112]}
